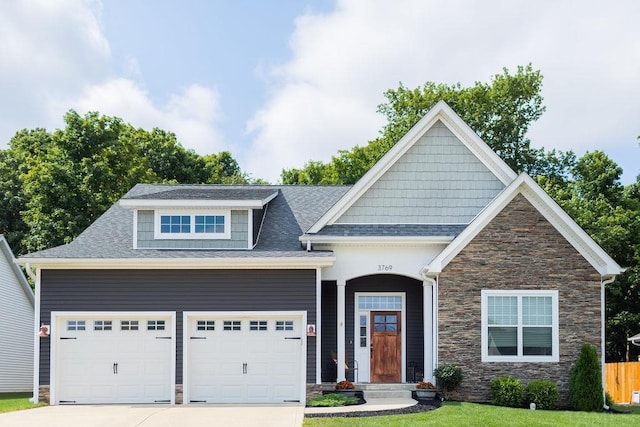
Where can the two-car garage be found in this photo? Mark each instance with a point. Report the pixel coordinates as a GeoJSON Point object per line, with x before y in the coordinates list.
{"type": "Point", "coordinates": [130, 357]}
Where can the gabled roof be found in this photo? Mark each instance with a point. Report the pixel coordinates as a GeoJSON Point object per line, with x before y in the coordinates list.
{"type": "Point", "coordinates": [5, 250]}
{"type": "Point", "coordinates": [565, 225]}
{"type": "Point", "coordinates": [440, 112]}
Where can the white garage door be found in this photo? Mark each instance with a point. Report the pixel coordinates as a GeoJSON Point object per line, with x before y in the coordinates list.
{"type": "Point", "coordinates": [113, 358]}
{"type": "Point", "coordinates": [244, 358]}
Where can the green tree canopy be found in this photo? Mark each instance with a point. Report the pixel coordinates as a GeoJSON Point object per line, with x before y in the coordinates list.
{"type": "Point", "coordinates": [54, 184]}
{"type": "Point", "coordinates": [500, 112]}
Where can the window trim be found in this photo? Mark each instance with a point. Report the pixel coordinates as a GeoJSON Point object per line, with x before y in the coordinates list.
{"type": "Point", "coordinates": [192, 213]}
{"type": "Point", "coordinates": [555, 336]}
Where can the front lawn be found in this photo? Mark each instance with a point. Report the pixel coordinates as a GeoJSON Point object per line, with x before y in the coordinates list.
{"type": "Point", "coordinates": [471, 414]}
{"type": "Point", "coordinates": [16, 401]}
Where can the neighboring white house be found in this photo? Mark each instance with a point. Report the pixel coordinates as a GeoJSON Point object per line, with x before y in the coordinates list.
{"type": "Point", "coordinates": [16, 325]}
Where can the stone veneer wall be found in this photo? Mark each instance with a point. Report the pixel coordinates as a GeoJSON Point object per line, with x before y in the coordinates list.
{"type": "Point", "coordinates": [519, 249]}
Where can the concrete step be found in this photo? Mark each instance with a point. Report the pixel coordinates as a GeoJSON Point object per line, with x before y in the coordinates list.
{"type": "Point", "coordinates": [387, 394]}
{"type": "Point", "coordinates": [386, 386]}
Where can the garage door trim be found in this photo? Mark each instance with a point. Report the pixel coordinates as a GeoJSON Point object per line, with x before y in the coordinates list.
{"type": "Point", "coordinates": [55, 335]}
{"type": "Point", "coordinates": [187, 315]}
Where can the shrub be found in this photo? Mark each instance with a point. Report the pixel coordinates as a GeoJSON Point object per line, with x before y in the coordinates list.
{"type": "Point", "coordinates": [608, 400]}
{"type": "Point", "coordinates": [329, 400]}
{"type": "Point", "coordinates": [506, 391]}
{"type": "Point", "coordinates": [585, 381]}
{"type": "Point", "coordinates": [544, 393]}
{"type": "Point", "coordinates": [448, 377]}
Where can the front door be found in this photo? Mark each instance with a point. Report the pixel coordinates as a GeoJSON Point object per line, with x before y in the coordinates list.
{"type": "Point", "coordinates": [386, 346]}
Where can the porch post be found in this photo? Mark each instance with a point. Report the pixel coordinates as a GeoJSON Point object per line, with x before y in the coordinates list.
{"type": "Point", "coordinates": [340, 371]}
{"type": "Point", "coordinates": [427, 316]}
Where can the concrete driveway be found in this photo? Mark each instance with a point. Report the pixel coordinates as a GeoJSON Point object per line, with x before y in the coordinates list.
{"type": "Point", "coordinates": [157, 416]}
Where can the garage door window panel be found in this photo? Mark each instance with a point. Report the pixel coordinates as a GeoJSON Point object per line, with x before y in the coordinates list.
{"type": "Point", "coordinates": [232, 325]}
{"type": "Point", "coordinates": [102, 325]}
{"type": "Point", "coordinates": [206, 325]}
{"type": "Point", "coordinates": [155, 325]}
{"type": "Point", "coordinates": [258, 325]}
{"type": "Point", "coordinates": [76, 325]}
{"type": "Point", "coordinates": [129, 325]}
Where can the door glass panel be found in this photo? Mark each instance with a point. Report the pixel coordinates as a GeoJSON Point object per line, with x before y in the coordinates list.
{"type": "Point", "coordinates": [380, 302]}
{"type": "Point", "coordinates": [363, 331]}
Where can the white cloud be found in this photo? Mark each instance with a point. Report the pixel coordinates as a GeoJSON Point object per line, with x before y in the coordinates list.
{"type": "Point", "coordinates": [55, 57]}
{"type": "Point", "coordinates": [324, 98]}
{"type": "Point", "coordinates": [191, 114]}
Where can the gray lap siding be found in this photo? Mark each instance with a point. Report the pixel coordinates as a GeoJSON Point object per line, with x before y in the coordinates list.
{"type": "Point", "coordinates": [179, 291]}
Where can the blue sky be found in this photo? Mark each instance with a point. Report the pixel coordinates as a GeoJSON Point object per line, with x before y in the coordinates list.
{"type": "Point", "coordinates": [279, 83]}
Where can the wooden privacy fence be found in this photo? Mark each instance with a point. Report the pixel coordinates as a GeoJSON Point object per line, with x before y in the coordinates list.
{"type": "Point", "coordinates": [621, 380]}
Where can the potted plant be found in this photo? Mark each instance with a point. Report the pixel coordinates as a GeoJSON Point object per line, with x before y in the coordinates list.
{"type": "Point", "coordinates": [425, 390]}
{"type": "Point", "coordinates": [346, 387]}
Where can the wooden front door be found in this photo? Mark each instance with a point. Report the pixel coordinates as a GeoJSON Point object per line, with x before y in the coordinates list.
{"type": "Point", "coordinates": [386, 346]}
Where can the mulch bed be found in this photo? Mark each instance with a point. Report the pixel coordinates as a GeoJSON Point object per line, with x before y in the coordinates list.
{"type": "Point", "coordinates": [422, 406]}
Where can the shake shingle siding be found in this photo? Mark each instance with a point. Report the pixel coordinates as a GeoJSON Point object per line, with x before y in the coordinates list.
{"type": "Point", "coordinates": [438, 181]}
{"type": "Point", "coordinates": [239, 234]}
{"type": "Point", "coordinates": [179, 291]}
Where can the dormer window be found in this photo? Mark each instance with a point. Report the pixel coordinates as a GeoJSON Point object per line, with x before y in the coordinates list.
{"type": "Point", "coordinates": [207, 224]}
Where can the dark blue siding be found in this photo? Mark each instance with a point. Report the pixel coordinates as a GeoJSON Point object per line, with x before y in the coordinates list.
{"type": "Point", "coordinates": [177, 290]}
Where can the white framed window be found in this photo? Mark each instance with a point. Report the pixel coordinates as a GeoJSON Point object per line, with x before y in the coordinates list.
{"type": "Point", "coordinates": [520, 326]}
{"type": "Point", "coordinates": [193, 224]}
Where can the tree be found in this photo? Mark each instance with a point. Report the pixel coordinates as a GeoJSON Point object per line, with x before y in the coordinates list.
{"type": "Point", "coordinates": [610, 213]}
{"type": "Point", "coordinates": [585, 381]}
{"type": "Point", "coordinates": [53, 185]}
{"type": "Point", "coordinates": [500, 112]}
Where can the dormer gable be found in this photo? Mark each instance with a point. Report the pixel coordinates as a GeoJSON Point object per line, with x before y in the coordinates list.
{"type": "Point", "coordinates": [197, 217]}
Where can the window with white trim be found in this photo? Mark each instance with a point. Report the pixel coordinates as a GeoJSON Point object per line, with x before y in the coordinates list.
{"type": "Point", "coordinates": [194, 224]}
{"type": "Point", "coordinates": [520, 326]}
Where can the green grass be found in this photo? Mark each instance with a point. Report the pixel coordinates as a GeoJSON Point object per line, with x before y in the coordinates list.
{"type": "Point", "coordinates": [471, 414]}
{"type": "Point", "coordinates": [16, 401]}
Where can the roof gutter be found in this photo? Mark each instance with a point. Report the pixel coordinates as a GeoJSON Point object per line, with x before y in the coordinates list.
{"type": "Point", "coordinates": [180, 263]}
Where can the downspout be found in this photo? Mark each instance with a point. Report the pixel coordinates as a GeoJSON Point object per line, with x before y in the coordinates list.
{"type": "Point", "coordinates": [604, 282]}
{"type": "Point", "coordinates": [36, 326]}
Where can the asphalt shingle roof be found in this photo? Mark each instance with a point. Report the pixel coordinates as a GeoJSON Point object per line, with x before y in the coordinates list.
{"type": "Point", "coordinates": [289, 215]}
